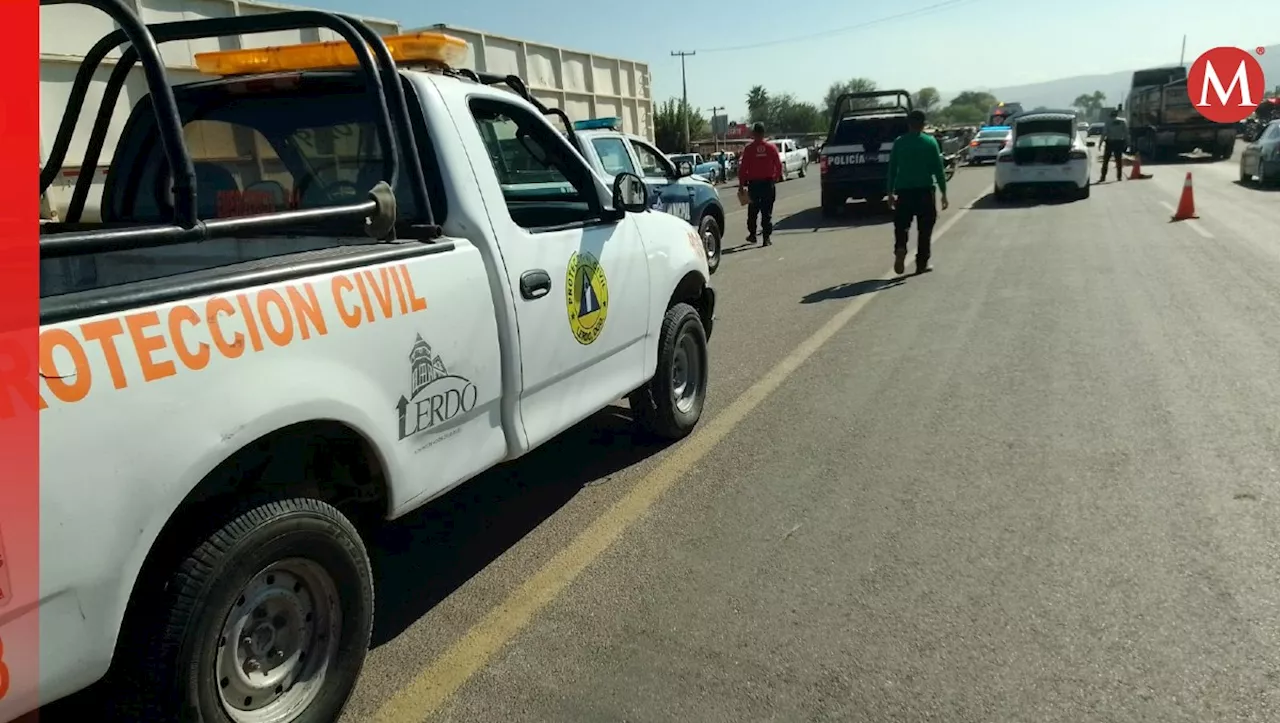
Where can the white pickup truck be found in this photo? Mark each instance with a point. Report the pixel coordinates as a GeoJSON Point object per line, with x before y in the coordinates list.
{"type": "Point", "coordinates": [253, 362]}
{"type": "Point", "coordinates": [795, 160]}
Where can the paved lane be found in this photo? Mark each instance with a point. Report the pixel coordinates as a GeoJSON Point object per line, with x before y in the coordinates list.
{"type": "Point", "coordinates": [493, 533]}
{"type": "Point", "coordinates": [1038, 484]}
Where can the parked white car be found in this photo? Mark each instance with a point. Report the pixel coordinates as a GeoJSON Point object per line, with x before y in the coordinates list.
{"type": "Point", "coordinates": [1045, 152]}
{"type": "Point", "coordinates": [795, 160]}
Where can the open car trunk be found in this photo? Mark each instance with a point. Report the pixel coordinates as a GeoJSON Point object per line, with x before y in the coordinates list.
{"type": "Point", "coordinates": [1043, 142]}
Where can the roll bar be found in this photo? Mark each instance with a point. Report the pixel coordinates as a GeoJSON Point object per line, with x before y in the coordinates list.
{"type": "Point", "coordinates": [392, 122]}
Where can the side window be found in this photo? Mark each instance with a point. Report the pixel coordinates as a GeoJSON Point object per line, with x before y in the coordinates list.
{"type": "Point", "coordinates": [614, 157]}
{"type": "Point", "coordinates": [544, 185]}
{"type": "Point", "coordinates": [652, 164]}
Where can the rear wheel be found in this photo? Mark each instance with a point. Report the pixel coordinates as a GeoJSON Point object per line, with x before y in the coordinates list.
{"type": "Point", "coordinates": [830, 206]}
{"type": "Point", "coordinates": [670, 405]}
{"type": "Point", "coordinates": [1083, 193]}
{"type": "Point", "coordinates": [710, 233]}
{"type": "Point", "coordinates": [267, 620]}
{"type": "Point", "coordinates": [999, 194]}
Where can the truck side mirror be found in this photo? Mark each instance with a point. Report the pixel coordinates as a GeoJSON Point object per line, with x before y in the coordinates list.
{"type": "Point", "coordinates": [630, 193]}
{"type": "Point", "coordinates": [684, 169]}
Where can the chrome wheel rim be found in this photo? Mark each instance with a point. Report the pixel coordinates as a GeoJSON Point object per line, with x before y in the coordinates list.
{"type": "Point", "coordinates": [709, 242]}
{"type": "Point", "coordinates": [686, 373]}
{"type": "Point", "coordinates": [278, 643]}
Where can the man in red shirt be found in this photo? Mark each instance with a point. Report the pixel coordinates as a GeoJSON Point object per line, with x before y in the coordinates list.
{"type": "Point", "coordinates": [759, 171]}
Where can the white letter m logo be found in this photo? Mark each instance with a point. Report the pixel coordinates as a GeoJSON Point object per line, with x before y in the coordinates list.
{"type": "Point", "coordinates": [1241, 79]}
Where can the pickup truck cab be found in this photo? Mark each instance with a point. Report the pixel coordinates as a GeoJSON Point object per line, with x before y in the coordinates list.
{"type": "Point", "coordinates": [327, 288]}
{"type": "Point", "coordinates": [795, 160]}
{"type": "Point", "coordinates": [673, 188]}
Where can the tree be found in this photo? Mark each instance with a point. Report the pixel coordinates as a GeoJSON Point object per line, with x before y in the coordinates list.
{"type": "Point", "coordinates": [926, 99]}
{"type": "Point", "coordinates": [852, 85]}
{"type": "Point", "coordinates": [788, 115]}
{"type": "Point", "coordinates": [1090, 104]}
{"type": "Point", "coordinates": [668, 125]}
{"type": "Point", "coordinates": [757, 104]}
{"type": "Point", "coordinates": [968, 108]}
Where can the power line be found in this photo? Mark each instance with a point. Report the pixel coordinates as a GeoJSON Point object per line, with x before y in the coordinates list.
{"type": "Point", "coordinates": [928, 9]}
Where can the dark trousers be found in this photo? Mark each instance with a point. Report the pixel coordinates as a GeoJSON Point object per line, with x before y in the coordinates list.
{"type": "Point", "coordinates": [760, 196]}
{"type": "Point", "coordinates": [914, 204]}
{"type": "Point", "coordinates": [1112, 151]}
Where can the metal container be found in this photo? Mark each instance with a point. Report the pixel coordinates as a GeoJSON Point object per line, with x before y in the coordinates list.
{"type": "Point", "coordinates": [584, 85]}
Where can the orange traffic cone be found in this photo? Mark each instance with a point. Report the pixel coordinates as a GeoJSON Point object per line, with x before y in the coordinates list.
{"type": "Point", "coordinates": [1135, 171]}
{"type": "Point", "coordinates": [1186, 204]}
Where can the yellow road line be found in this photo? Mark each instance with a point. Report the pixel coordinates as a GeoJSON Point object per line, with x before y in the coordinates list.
{"type": "Point", "coordinates": [432, 688]}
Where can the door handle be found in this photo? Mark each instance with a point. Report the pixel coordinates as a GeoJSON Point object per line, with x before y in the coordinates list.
{"type": "Point", "coordinates": [535, 284]}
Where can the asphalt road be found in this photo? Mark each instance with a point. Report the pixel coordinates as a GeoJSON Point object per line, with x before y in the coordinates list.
{"type": "Point", "coordinates": [1033, 485]}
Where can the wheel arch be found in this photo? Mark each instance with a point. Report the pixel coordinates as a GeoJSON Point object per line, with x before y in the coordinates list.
{"type": "Point", "coordinates": [355, 480]}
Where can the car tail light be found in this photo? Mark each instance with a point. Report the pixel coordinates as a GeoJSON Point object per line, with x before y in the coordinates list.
{"type": "Point", "coordinates": [823, 165]}
{"type": "Point", "coordinates": [973, 144]}
{"type": "Point", "coordinates": [1007, 158]}
{"type": "Point", "coordinates": [1078, 155]}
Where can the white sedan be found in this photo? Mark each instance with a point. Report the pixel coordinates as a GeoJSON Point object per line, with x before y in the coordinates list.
{"type": "Point", "coordinates": [1045, 152]}
{"type": "Point", "coordinates": [987, 144]}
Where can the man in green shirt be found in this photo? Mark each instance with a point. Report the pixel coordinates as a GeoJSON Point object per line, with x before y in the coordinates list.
{"type": "Point", "coordinates": [915, 164]}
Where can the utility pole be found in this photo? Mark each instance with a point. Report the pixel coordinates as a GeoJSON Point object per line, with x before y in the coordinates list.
{"type": "Point", "coordinates": [715, 136]}
{"type": "Point", "coordinates": [1183, 55]}
{"type": "Point", "coordinates": [684, 86]}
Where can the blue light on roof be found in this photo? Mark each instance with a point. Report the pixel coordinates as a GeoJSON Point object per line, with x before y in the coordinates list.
{"type": "Point", "coordinates": [596, 123]}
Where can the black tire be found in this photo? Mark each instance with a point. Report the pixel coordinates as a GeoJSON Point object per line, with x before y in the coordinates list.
{"type": "Point", "coordinates": [1226, 152]}
{"type": "Point", "coordinates": [707, 225]}
{"type": "Point", "coordinates": [1083, 193]}
{"type": "Point", "coordinates": [259, 547]}
{"type": "Point", "coordinates": [830, 207]}
{"type": "Point", "coordinates": [802, 169]}
{"type": "Point", "coordinates": [1000, 196]}
{"type": "Point", "coordinates": [655, 405]}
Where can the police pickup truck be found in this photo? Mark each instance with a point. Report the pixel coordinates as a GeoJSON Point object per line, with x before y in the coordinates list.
{"type": "Point", "coordinates": [673, 187]}
{"type": "Point", "coordinates": [326, 289]}
{"type": "Point", "coordinates": [855, 159]}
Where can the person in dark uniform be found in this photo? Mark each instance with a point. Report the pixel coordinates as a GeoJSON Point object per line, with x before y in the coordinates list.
{"type": "Point", "coordinates": [1117, 139]}
{"type": "Point", "coordinates": [915, 165]}
{"type": "Point", "coordinates": [759, 171]}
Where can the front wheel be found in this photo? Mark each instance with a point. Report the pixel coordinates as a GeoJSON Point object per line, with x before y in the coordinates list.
{"type": "Point", "coordinates": [670, 405]}
{"type": "Point", "coordinates": [710, 233]}
{"type": "Point", "coordinates": [268, 618]}
{"type": "Point", "coordinates": [802, 170]}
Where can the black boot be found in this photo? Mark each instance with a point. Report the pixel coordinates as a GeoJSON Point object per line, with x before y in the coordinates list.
{"type": "Point", "coordinates": [922, 265]}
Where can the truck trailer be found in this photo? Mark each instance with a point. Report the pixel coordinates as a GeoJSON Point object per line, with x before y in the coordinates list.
{"type": "Point", "coordinates": [1163, 123]}
{"type": "Point", "coordinates": [582, 84]}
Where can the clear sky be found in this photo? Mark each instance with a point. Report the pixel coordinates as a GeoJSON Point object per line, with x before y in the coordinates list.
{"type": "Point", "coordinates": [950, 44]}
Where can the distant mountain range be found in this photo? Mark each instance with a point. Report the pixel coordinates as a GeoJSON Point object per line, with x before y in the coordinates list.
{"type": "Point", "coordinates": [1060, 93]}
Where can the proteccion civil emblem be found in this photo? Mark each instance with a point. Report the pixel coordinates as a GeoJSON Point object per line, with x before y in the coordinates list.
{"type": "Point", "coordinates": [586, 297]}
